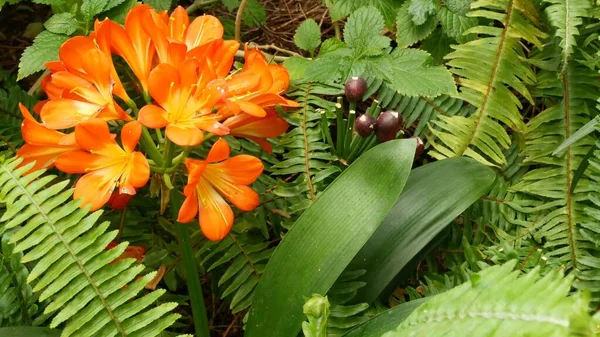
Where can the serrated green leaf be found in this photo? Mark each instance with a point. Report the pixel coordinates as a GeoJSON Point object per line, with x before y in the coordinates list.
{"type": "Point", "coordinates": [331, 45]}
{"type": "Point", "coordinates": [409, 33]}
{"type": "Point", "coordinates": [413, 75]}
{"type": "Point", "coordinates": [455, 25]}
{"type": "Point", "coordinates": [62, 23]}
{"type": "Point", "coordinates": [112, 4]}
{"type": "Point", "coordinates": [49, 2]}
{"type": "Point", "coordinates": [254, 13]}
{"type": "Point", "coordinates": [438, 45]}
{"type": "Point", "coordinates": [324, 69]}
{"type": "Point", "coordinates": [296, 66]}
{"type": "Point", "coordinates": [91, 8]}
{"type": "Point", "coordinates": [460, 7]}
{"type": "Point", "coordinates": [159, 5]}
{"type": "Point", "coordinates": [119, 12]}
{"type": "Point", "coordinates": [421, 10]}
{"type": "Point", "coordinates": [231, 5]}
{"type": "Point", "coordinates": [339, 9]}
{"type": "Point", "coordinates": [44, 49]}
{"type": "Point", "coordinates": [308, 36]}
{"type": "Point", "coordinates": [363, 32]}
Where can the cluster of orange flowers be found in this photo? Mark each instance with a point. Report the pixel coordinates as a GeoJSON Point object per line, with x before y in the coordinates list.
{"type": "Point", "coordinates": [182, 69]}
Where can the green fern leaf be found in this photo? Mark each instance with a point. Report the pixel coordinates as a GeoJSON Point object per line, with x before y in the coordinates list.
{"type": "Point", "coordinates": [490, 70]}
{"type": "Point", "coordinates": [73, 269]}
{"type": "Point", "coordinates": [566, 16]}
{"type": "Point", "coordinates": [497, 302]}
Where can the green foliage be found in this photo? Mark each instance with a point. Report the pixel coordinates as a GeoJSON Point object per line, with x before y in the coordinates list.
{"type": "Point", "coordinates": [339, 9]}
{"type": "Point", "coordinates": [73, 269]}
{"type": "Point", "coordinates": [308, 36]}
{"type": "Point", "coordinates": [62, 23]}
{"type": "Point", "coordinates": [491, 70]}
{"type": "Point", "coordinates": [254, 13]}
{"type": "Point", "coordinates": [497, 302]}
{"type": "Point", "coordinates": [10, 115]}
{"type": "Point", "coordinates": [44, 49]}
{"type": "Point", "coordinates": [422, 9]}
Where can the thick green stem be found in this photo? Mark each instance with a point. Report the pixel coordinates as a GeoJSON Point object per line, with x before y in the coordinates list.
{"type": "Point", "coordinates": [168, 154]}
{"type": "Point", "coordinates": [191, 268]}
{"type": "Point", "coordinates": [150, 148]}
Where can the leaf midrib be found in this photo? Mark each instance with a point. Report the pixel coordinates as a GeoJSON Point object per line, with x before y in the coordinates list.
{"type": "Point", "coordinates": [70, 250]}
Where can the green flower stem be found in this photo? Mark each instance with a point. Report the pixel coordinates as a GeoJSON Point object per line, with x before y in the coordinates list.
{"type": "Point", "coordinates": [340, 126]}
{"type": "Point", "coordinates": [168, 154]}
{"type": "Point", "coordinates": [349, 129]}
{"type": "Point", "coordinates": [192, 277]}
{"type": "Point", "coordinates": [150, 148]}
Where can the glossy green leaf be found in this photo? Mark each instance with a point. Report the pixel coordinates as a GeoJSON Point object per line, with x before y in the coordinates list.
{"type": "Point", "coordinates": [29, 331]}
{"type": "Point", "coordinates": [434, 195]}
{"type": "Point", "coordinates": [585, 130]}
{"type": "Point", "coordinates": [327, 236]}
{"type": "Point", "coordinates": [386, 321]}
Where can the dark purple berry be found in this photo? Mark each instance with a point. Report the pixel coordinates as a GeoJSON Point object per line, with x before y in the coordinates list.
{"type": "Point", "coordinates": [355, 88]}
{"type": "Point", "coordinates": [420, 146]}
{"type": "Point", "coordinates": [388, 124]}
{"type": "Point", "coordinates": [364, 125]}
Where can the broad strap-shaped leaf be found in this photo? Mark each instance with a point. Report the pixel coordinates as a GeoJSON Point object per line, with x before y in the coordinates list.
{"type": "Point", "coordinates": [491, 71]}
{"type": "Point", "coordinates": [327, 236]}
{"type": "Point", "coordinates": [73, 268]}
{"type": "Point", "coordinates": [497, 302]}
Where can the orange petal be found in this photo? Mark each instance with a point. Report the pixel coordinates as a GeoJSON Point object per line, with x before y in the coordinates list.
{"type": "Point", "coordinates": [44, 156]}
{"type": "Point", "coordinates": [66, 113]}
{"type": "Point", "coordinates": [251, 108]}
{"type": "Point", "coordinates": [130, 135]}
{"type": "Point", "coordinates": [139, 173]}
{"type": "Point", "coordinates": [70, 53]}
{"type": "Point", "coordinates": [281, 78]}
{"type": "Point", "coordinates": [119, 201]}
{"type": "Point", "coordinates": [97, 66]}
{"type": "Point", "coordinates": [81, 162]}
{"type": "Point", "coordinates": [244, 125]}
{"type": "Point", "coordinates": [210, 124]}
{"type": "Point", "coordinates": [242, 83]}
{"type": "Point", "coordinates": [189, 208]}
{"type": "Point", "coordinates": [225, 57]}
{"type": "Point", "coordinates": [218, 152]}
{"type": "Point", "coordinates": [153, 117]}
{"type": "Point", "coordinates": [263, 143]}
{"type": "Point", "coordinates": [216, 217]}
{"type": "Point", "coordinates": [94, 136]}
{"type": "Point", "coordinates": [162, 80]}
{"type": "Point", "coordinates": [239, 170]}
{"type": "Point", "coordinates": [202, 30]}
{"type": "Point", "coordinates": [195, 170]}
{"type": "Point", "coordinates": [95, 188]}
{"type": "Point", "coordinates": [184, 136]}
{"type": "Point", "coordinates": [178, 24]}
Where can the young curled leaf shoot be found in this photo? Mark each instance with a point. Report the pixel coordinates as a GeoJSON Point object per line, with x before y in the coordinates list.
{"type": "Point", "coordinates": [181, 70]}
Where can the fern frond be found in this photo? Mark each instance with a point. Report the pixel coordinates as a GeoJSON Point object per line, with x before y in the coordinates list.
{"type": "Point", "coordinates": [491, 70]}
{"type": "Point", "coordinates": [10, 116]}
{"type": "Point", "coordinates": [566, 16]}
{"type": "Point", "coordinates": [88, 293]}
{"type": "Point", "coordinates": [497, 302]}
{"type": "Point", "coordinates": [307, 154]}
{"type": "Point", "coordinates": [242, 261]}
{"type": "Point", "coordinates": [555, 212]}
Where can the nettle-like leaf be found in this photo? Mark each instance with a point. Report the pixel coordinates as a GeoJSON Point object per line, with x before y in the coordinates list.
{"type": "Point", "coordinates": [44, 49]}
{"type": "Point", "coordinates": [455, 25]}
{"type": "Point", "coordinates": [159, 5]}
{"type": "Point", "coordinates": [491, 71]}
{"type": "Point", "coordinates": [363, 30]}
{"type": "Point", "coordinates": [408, 32]}
{"type": "Point", "coordinates": [254, 13]}
{"type": "Point", "coordinates": [422, 9]}
{"type": "Point", "coordinates": [497, 302]}
{"type": "Point", "coordinates": [87, 293]}
{"type": "Point", "coordinates": [62, 23]}
{"type": "Point", "coordinates": [339, 9]}
{"type": "Point", "coordinates": [308, 36]}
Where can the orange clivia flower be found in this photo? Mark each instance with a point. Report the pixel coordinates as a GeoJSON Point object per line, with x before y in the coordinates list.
{"type": "Point", "coordinates": [211, 179]}
{"type": "Point", "coordinates": [185, 97]}
{"type": "Point", "coordinates": [42, 145]}
{"type": "Point", "coordinates": [131, 42]}
{"type": "Point", "coordinates": [105, 164]}
{"type": "Point", "coordinates": [256, 87]}
{"type": "Point", "coordinates": [84, 90]}
{"type": "Point", "coordinates": [174, 35]}
{"type": "Point", "coordinates": [257, 128]}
